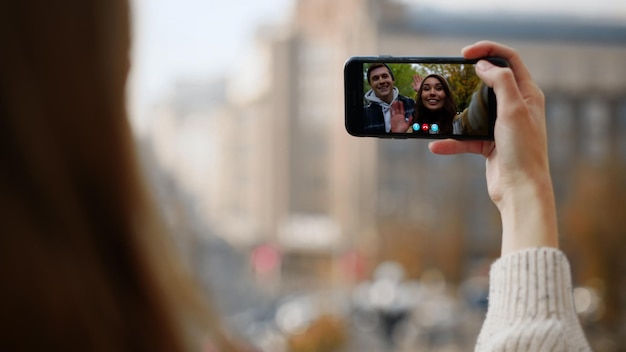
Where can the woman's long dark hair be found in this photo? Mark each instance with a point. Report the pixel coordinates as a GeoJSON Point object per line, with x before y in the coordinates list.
{"type": "Point", "coordinates": [85, 260]}
{"type": "Point", "coordinates": [444, 116]}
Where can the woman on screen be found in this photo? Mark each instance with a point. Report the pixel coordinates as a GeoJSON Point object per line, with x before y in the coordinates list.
{"type": "Point", "coordinates": [436, 112]}
{"type": "Point", "coordinates": [434, 106]}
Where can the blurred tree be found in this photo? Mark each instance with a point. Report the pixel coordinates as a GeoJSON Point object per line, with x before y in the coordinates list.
{"type": "Point", "coordinates": [403, 74]}
{"type": "Point", "coordinates": [595, 232]}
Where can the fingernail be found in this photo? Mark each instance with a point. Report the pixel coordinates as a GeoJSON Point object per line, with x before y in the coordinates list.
{"type": "Point", "coordinates": [484, 65]}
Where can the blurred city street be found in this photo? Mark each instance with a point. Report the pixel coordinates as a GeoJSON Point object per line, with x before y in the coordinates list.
{"type": "Point", "coordinates": [310, 239]}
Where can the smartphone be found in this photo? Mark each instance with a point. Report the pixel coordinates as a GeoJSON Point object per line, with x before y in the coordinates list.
{"type": "Point", "coordinates": [418, 97]}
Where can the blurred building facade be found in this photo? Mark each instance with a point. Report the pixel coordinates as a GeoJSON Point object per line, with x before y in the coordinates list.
{"type": "Point", "coordinates": [290, 175]}
{"type": "Point", "coordinates": [283, 171]}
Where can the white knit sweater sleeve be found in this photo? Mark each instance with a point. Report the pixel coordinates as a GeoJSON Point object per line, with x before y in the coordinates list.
{"type": "Point", "coordinates": [531, 306]}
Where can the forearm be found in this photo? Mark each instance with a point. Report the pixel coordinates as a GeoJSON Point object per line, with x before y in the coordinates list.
{"type": "Point", "coordinates": [529, 217]}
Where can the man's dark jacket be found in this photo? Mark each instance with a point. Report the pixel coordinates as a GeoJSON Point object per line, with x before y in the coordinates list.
{"type": "Point", "coordinates": [374, 120]}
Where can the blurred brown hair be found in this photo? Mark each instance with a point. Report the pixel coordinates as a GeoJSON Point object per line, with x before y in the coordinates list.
{"type": "Point", "coordinates": [84, 261]}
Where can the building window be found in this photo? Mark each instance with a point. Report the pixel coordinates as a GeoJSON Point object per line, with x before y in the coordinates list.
{"type": "Point", "coordinates": [595, 125]}
{"type": "Point", "coordinates": [560, 120]}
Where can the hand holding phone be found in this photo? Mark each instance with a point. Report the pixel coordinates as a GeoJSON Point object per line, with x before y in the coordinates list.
{"type": "Point", "coordinates": [440, 97]}
{"type": "Point", "coordinates": [517, 166]}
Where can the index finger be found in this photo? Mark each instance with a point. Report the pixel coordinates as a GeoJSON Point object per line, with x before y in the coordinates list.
{"type": "Point", "coordinates": [488, 48]}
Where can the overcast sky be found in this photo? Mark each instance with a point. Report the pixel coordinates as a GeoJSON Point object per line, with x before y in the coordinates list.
{"type": "Point", "coordinates": [191, 39]}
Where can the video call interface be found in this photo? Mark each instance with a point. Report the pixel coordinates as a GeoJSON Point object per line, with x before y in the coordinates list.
{"type": "Point", "coordinates": [437, 98]}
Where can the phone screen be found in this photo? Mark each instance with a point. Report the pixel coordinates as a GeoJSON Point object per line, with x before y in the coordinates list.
{"type": "Point", "coordinates": [395, 97]}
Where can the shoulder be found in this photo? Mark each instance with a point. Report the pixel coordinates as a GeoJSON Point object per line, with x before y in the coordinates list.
{"type": "Point", "coordinates": [406, 101]}
{"type": "Point", "coordinates": [405, 98]}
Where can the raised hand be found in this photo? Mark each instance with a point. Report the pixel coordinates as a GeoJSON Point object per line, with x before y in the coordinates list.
{"type": "Point", "coordinates": [399, 124]}
{"type": "Point", "coordinates": [417, 82]}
